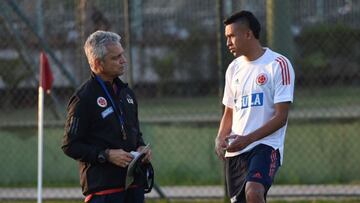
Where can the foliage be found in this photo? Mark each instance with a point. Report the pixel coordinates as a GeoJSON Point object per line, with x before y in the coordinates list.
{"type": "Point", "coordinates": [190, 63]}
{"type": "Point", "coordinates": [12, 72]}
{"type": "Point", "coordinates": [164, 68]}
{"type": "Point", "coordinates": [324, 54]}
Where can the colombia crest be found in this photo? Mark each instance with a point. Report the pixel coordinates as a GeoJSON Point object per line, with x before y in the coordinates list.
{"type": "Point", "coordinates": [101, 101]}
{"type": "Point", "coordinates": [261, 79]}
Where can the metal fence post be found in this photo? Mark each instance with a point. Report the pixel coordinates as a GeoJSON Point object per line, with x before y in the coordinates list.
{"type": "Point", "coordinates": [220, 42]}
{"type": "Point", "coordinates": [278, 24]}
{"type": "Point", "coordinates": [127, 33]}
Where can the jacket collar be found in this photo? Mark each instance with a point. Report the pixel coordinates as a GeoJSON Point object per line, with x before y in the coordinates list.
{"type": "Point", "coordinates": [117, 81]}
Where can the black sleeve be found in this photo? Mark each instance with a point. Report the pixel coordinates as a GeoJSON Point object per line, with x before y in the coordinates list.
{"type": "Point", "coordinates": [77, 124]}
{"type": "Point", "coordinates": [140, 141]}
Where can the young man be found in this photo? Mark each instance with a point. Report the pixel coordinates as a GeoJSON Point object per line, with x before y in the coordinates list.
{"type": "Point", "coordinates": [102, 125]}
{"type": "Point", "coordinates": [259, 88]}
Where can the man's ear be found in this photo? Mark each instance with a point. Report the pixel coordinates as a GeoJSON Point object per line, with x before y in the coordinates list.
{"type": "Point", "coordinates": [98, 65]}
{"type": "Point", "coordinates": [249, 34]}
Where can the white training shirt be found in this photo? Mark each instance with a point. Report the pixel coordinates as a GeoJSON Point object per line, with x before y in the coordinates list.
{"type": "Point", "coordinates": [251, 90]}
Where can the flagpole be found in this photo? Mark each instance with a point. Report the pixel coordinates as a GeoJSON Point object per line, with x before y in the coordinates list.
{"type": "Point", "coordinates": [45, 83]}
{"type": "Point", "coordinates": [40, 142]}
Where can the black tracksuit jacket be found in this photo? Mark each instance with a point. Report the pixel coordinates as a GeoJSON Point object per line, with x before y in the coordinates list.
{"type": "Point", "coordinates": [91, 127]}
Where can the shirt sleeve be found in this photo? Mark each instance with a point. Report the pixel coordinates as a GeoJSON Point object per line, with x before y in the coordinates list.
{"type": "Point", "coordinates": [228, 98]}
{"type": "Point", "coordinates": [284, 79]}
{"type": "Point", "coordinates": [76, 128]}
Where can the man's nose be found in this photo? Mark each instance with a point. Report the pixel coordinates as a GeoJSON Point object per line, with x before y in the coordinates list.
{"type": "Point", "coordinates": [228, 42]}
{"type": "Point", "coordinates": [123, 60]}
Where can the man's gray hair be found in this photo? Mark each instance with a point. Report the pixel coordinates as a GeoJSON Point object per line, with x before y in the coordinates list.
{"type": "Point", "coordinates": [95, 45]}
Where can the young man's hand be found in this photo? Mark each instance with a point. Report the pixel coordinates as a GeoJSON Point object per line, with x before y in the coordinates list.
{"type": "Point", "coordinates": [237, 142]}
{"type": "Point", "coordinates": [220, 146]}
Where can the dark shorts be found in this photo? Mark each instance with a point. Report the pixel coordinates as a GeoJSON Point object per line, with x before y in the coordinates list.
{"type": "Point", "coordinates": [258, 165]}
{"type": "Point", "coordinates": [133, 195]}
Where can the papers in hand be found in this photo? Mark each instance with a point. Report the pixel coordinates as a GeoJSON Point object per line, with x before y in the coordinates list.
{"type": "Point", "coordinates": [138, 156]}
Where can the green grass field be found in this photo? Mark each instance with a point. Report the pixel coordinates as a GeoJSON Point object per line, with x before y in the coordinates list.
{"type": "Point", "coordinates": [200, 201]}
{"type": "Point", "coordinates": [323, 152]}
{"type": "Point", "coordinates": [183, 155]}
{"type": "Point", "coordinates": [207, 106]}
{"type": "Point", "coordinates": [305, 99]}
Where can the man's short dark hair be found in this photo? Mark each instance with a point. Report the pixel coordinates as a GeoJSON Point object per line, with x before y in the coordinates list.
{"type": "Point", "coordinates": [247, 18]}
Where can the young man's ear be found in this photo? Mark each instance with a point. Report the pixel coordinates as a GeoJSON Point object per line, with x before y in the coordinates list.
{"type": "Point", "coordinates": [249, 34]}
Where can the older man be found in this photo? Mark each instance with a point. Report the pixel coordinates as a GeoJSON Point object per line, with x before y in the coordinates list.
{"type": "Point", "coordinates": [102, 125]}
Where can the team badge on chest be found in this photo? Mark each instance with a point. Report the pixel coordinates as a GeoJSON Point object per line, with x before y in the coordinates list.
{"type": "Point", "coordinates": [261, 79]}
{"type": "Point", "coordinates": [101, 101]}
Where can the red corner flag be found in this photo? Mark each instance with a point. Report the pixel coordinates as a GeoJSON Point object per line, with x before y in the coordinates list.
{"type": "Point", "coordinates": [46, 77]}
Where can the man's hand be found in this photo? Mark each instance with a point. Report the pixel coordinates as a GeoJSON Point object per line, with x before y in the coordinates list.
{"type": "Point", "coordinates": [147, 157]}
{"type": "Point", "coordinates": [220, 146]}
{"type": "Point", "coordinates": [237, 142]}
{"type": "Point", "coordinates": [119, 157]}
